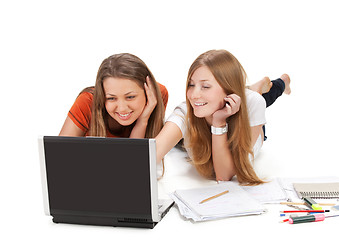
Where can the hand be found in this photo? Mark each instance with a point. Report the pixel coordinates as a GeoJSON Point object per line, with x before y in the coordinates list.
{"type": "Point", "coordinates": [151, 100]}
{"type": "Point", "coordinates": [232, 106]}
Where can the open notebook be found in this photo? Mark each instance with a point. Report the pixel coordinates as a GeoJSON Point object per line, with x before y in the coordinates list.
{"type": "Point", "coordinates": [236, 202]}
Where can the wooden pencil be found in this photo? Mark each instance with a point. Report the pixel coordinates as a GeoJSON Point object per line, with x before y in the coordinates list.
{"type": "Point", "coordinates": [215, 196]}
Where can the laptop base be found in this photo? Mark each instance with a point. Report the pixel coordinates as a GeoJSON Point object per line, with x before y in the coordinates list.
{"type": "Point", "coordinates": [104, 221]}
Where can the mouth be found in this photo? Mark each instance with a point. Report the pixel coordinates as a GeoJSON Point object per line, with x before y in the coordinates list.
{"type": "Point", "coordinates": [124, 116]}
{"type": "Point", "coordinates": [199, 104]}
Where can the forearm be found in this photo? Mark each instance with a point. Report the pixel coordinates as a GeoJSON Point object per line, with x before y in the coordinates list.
{"type": "Point", "coordinates": [222, 158]}
{"type": "Point", "coordinates": [70, 129]}
{"type": "Point", "coordinates": [221, 154]}
{"type": "Point", "coordinates": [168, 137]}
{"type": "Point", "coordinates": [139, 129]}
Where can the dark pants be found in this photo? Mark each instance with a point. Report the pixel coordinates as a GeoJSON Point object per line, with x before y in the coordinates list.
{"type": "Point", "coordinates": [277, 89]}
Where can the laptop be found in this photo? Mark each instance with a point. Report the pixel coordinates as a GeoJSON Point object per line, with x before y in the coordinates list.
{"type": "Point", "coordinates": [101, 181]}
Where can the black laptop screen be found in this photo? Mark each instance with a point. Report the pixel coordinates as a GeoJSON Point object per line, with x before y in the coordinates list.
{"type": "Point", "coordinates": [98, 176]}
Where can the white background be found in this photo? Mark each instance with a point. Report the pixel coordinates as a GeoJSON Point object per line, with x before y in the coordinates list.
{"type": "Point", "coordinates": [49, 51]}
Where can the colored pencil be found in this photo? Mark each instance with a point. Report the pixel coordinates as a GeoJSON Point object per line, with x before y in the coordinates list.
{"type": "Point", "coordinates": [285, 220]}
{"type": "Point", "coordinates": [306, 211]}
{"type": "Point", "coordinates": [301, 203]}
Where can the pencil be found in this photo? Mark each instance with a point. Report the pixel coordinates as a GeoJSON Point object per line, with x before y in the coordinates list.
{"type": "Point", "coordinates": [215, 196]}
{"type": "Point", "coordinates": [285, 220]}
{"type": "Point", "coordinates": [308, 211]}
{"type": "Point", "coordinates": [301, 203]}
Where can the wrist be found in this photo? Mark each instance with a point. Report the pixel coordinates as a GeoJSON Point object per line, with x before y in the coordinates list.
{"type": "Point", "coordinates": [142, 122]}
{"type": "Point", "coordinates": [220, 123]}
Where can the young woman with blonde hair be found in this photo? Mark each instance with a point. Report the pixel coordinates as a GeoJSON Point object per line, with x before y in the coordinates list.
{"type": "Point", "coordinates": [221, 121]}
{"type": "Point", "coordinates": [125, 102]}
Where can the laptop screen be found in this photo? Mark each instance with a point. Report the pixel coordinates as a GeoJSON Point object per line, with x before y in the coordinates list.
{"type": "Point", "coordinates": [98, 176]}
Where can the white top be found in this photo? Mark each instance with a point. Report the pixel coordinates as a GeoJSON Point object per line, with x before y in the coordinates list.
{"type": "Point", "coordinates": [256, 107]}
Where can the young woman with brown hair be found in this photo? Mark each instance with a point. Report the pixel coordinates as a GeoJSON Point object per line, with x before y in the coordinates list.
{"type": "Point", "coordinates": [125, 102]}
{"type": "Point", "coordinates": [221, 121]}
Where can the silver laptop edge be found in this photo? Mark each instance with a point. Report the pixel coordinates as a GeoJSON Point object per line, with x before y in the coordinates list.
{"type": "Point", "coordinates": [43, 175]}
{"type": "Point", "coordinates": [153, 180]}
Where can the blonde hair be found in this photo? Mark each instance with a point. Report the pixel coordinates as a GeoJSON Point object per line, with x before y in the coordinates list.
{"type": "Point", "coordinates": [231, 76]}
{"type": "Point", "coordinates": [124, 66]}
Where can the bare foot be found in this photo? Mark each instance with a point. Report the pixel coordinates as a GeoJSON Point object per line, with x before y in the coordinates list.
{"type": "Point", "coordinates": [262, 86]}
{"type": "Point", "coordinates": [287, 82]}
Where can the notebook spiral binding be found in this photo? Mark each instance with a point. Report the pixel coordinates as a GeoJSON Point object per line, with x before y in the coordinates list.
{"type": "Point", "coordinates": [323, 195]}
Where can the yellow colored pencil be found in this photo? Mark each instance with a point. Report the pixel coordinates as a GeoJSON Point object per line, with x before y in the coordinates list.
{"type": "Point", "coordinates": [215, 196]}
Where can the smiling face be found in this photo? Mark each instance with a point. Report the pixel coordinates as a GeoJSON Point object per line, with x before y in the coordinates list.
{"type": "Point", "coordinates": [205, 94]}
{"type": "Point", "coordinates": [125, 100]}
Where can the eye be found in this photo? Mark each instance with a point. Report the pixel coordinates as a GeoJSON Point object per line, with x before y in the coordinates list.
{"type": "Point", "coordinates": [130, 97]}
{"type": "Point", "coordinates": [205, 87]}
{"type": "Point", "coordinates": [190, 85]}
{"type": "Point", "coordinates": [110, 98]}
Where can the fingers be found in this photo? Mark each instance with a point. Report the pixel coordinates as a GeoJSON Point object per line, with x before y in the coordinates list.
{"type": "Point", "coordinates": [150, 92]}
{"type": "Point", "coordinates": [149, 89]}
{"type": "Point", "coordinates": [147, 84]}
{"type": "Point", "coordinates": [233, 102]}
{"type": "Point", "coordinates": [151, 100]}
{"type": "Point", "coordinates": [233, 97]}
{"type": "Point", "coordinates": [231, 107]}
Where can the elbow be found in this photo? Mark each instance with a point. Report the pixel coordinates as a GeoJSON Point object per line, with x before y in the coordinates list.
{"type": "Point", "coordinates": [224, 177]}
{"type": "Point", "coordinates": [224, 174]}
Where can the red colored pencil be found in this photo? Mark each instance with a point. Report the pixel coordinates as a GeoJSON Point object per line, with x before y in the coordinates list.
{"type": "Point", "coordinates": [285, 220]}
{"type": "Point", "coordinates": [309, 211]}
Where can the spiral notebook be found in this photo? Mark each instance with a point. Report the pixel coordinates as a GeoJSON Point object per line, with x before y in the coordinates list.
{"type": "Point", "coordinates": [317, 190]}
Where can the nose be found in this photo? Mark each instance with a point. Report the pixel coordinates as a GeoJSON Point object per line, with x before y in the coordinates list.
{"type": "Point", "coordinates": [122, 106]}
{"type": "Point", "coordinates": [195, 93]}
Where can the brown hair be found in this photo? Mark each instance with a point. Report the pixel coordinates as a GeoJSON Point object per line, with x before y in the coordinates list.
{"type": "Point", "coordinates": [124, 66]}
{"type": "Point", "coordinates": [232, 78]}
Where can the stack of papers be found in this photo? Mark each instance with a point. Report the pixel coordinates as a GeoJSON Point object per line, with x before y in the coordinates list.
{"type": "Point", "coordinates": [269, 192]}
{"type": "Point", "coordinates": [237, 202]}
